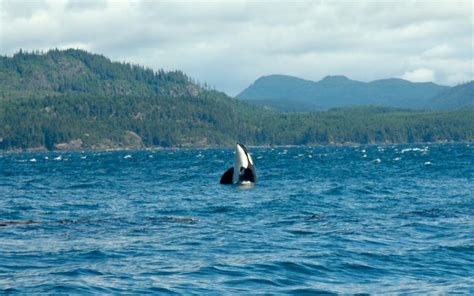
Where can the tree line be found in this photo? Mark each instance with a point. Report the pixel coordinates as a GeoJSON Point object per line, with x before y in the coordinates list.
{"type": "Point", "coordinates": [212, 119]}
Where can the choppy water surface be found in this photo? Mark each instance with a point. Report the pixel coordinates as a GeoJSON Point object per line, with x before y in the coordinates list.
{"type": "Point", "coordinates": [377, 219]}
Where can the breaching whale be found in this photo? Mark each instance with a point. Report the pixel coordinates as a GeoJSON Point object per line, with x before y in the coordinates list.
{"type": "Point", "coordinates": [243, 170]}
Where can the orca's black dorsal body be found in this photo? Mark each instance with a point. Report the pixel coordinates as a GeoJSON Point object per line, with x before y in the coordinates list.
{"type": "Point", "coordinates": [243, 170]}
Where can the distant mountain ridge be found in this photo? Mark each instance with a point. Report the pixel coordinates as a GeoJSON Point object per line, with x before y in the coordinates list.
{"type": "Point", "coordinates": [288, 93]}
{"type": "Point", "coordinates": [460, 96]}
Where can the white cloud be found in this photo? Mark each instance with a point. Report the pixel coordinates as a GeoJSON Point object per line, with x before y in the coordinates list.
{"type": "Point", "coordinates": [419, 75]}
{"type": "Point", "coordinates": [441, 50]}
{"type": "Point", "coordinates": [10, 9]}
{"type": "Point", "coordinates": [82, 5]}
{"type": "Point", "coordinates": [230, 44]}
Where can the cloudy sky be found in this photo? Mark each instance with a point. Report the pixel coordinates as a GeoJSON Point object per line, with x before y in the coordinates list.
{"type": "Point", "coordinates": [229, 44]}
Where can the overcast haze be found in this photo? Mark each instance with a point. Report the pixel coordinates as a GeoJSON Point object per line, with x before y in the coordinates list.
{"type": "Point", "coordinates": [230, 44]}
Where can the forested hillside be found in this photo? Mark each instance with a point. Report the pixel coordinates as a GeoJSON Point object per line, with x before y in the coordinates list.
{"type": "Point", "coordinates": [76, 100]}
{"type": "Point", "coordinates": [79, 72]}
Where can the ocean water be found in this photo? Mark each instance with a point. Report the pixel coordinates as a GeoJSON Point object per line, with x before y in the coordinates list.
{"type": "Point", "coordinates": [365, 219]}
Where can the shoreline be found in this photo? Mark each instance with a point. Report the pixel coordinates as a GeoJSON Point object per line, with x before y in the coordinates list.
{"type": "Point", "coordinates": [157, 148]}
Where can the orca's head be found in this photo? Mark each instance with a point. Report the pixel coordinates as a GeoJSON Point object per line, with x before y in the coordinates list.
{"type": "Point", "coordinates": [243, 155]}
{"type": "Point", "coordinates": [243, 169]}
{"type": "Point", "coordinates": [240, 147]}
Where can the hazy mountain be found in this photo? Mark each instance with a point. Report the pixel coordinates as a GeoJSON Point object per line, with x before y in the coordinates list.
{"type": "Point", "coordinates": [457, 97]}
{"type": "Point", "coordinates": [288, 93]}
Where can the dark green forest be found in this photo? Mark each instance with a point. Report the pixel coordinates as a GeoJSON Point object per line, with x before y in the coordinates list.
{"type": "Point", "coordinates": [76, 100]}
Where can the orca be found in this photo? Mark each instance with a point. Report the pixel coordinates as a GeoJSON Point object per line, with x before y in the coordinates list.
{"type": "Point", "coordinates": [243, 171]}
